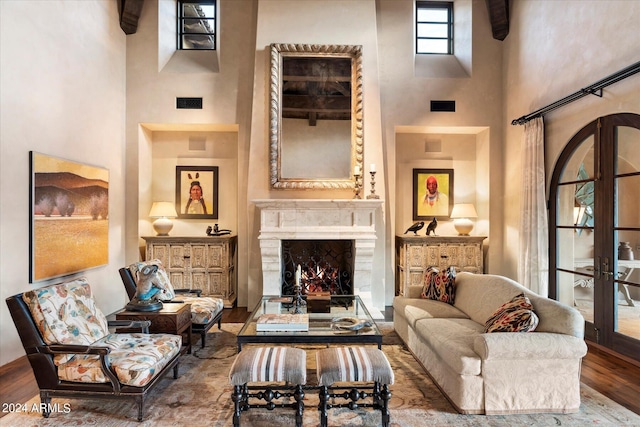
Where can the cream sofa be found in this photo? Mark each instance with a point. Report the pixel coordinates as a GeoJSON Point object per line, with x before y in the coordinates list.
{"type": "Point", "coordinates": [500, 372]}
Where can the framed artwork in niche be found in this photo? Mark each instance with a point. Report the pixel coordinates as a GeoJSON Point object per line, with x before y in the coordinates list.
{"type": "Point", "coordinates": [432, 193]}
{"type": "Point", "coordinates": [69, 217]}
{"type": "Point", "coordinates": [197, 192]}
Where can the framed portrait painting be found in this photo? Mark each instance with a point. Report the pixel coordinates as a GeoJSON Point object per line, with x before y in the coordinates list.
{"type": "Point", "coordinates": [197, 192]}
{"type": "Point", "coordinates": [69, 213]}
{"type": "Point", "coordinates": [432, 193]}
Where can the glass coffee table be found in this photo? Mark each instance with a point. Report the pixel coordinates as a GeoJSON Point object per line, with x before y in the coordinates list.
{"type": "Point", "coordinates": [321, 328]}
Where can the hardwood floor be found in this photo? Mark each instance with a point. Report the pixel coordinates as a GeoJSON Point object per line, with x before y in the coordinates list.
{"type": "Point", "coordinates": [616, 378]}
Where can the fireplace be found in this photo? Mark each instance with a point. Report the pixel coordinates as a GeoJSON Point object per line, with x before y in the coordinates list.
{"type": "Point", "coordinates": [326, 266]}
{"type": "Point", "coordinates": [283, 220]}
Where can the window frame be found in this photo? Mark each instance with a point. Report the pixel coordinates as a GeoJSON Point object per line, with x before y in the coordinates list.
{"type": "Point", "coordinates": [180, 33]}
{"type": "Point", "coordinates": [450, 20]}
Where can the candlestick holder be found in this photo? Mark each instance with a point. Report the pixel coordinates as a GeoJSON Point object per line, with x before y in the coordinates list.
{"type": "Point", "coordinates": [373, 194]}
{"type": "Point", "coordinates": [298, 301]}
{"type": "Point", "coordinates": [358, 186]}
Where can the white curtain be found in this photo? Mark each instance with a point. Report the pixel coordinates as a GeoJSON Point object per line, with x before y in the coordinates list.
{"type": "Point", "coordinates": [533, 260]}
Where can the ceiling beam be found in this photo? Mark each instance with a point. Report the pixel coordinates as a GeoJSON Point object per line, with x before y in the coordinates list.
{"type": "Point", "coordinates": [499, 18]}
{"type": "Point", "coordinates": [129, 14]}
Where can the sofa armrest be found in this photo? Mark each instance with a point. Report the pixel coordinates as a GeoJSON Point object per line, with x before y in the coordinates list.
{"type": "Point", "coordinates": [529, 345]}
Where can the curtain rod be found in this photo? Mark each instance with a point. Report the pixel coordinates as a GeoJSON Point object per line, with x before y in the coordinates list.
{"type": "Point", "coordinates": [594, 89]}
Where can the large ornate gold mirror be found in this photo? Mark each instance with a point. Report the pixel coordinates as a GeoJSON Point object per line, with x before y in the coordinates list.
{"type": "Point", "coordinates": [315, 117]}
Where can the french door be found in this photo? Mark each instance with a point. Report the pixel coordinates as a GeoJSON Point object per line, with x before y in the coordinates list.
{"type": "Point", "coordinates": [594, 230]}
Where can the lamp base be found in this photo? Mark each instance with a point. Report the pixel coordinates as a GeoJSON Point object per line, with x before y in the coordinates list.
{"type": "Point", "coordinates": [463, 226]}
{"type": "Point", "coordinates": [162, 226]}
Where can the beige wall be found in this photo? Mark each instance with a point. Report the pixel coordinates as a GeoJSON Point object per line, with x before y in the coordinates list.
{"type": "Point", "coordinates": [62, 93]}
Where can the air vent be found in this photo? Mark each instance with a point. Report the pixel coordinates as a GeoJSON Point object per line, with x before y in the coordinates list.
{"type": "Point", "coordinates": [189, 103]}
{"type": "Point", "coordinates": [448, 106]}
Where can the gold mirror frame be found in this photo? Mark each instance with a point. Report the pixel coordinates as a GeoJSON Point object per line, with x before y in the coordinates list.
{"type": "Point", "coordinates": [278, 51]}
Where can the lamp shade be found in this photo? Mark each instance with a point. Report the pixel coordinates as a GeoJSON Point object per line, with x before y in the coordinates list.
{"type": "Point", "coordinates": [464, 210]}
{"type": "Point", "coordinates": [461, 214]}
{"type": "Point", "coordinates": [163, 211]}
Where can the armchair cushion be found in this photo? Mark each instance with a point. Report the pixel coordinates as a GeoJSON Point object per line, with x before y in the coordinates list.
{"type": "Point", "coordinates": [67, 314]}
{"type": "Point", "coordinates": [203, 309]}
{"type": "Point", "coordinates": [135, 358]}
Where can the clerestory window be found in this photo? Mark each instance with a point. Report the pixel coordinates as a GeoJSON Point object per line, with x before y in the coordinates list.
{"type": "Point", "coordinates": [434, 27]}
{"type": "Point", "coordinates": [197, 25]}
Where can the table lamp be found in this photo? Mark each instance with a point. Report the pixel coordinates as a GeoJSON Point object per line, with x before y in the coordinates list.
{"type": "Point", "coordinates": [461, 215]}
{"type": "Point", "coordinates": [163, 211]}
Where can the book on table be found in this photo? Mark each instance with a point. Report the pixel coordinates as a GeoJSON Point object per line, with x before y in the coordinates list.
{"type": "Point", "coordinates": [285, 322]}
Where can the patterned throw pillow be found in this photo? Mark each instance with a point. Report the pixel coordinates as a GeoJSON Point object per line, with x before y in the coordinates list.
{"type": "Point", "coordinates": [440, 285]}
{"type": "Point", "coordinates": [516, 315]}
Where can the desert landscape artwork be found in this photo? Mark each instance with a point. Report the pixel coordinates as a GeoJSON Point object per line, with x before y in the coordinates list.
{"type": "Point", "coordinates": [69, 217]}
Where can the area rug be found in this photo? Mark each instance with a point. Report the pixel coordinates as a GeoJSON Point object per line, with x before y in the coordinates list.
{"type": "Point", "coordinates": [202, 396]}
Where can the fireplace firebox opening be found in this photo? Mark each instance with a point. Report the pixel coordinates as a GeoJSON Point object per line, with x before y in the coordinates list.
{"type": "Point", "coordinates": [326, 266]}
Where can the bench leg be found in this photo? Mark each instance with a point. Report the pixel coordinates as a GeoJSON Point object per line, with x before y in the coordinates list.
{"type": "Point", "coordinates": [238, 398]}
{"type": "Point", "coordinates": [323, 394]}
{"type": "Point", "coordinates": [299, 397]}
{"type": "Point", "coordinates": [385, 397]}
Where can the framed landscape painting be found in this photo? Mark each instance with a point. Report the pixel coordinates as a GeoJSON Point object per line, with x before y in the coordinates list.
{"type": "Point", "coordinates": [197, 192]}
{"type": "Point", "coordinates": [69, 212]}
{"type": "Point", "coordinates": [432, 193]}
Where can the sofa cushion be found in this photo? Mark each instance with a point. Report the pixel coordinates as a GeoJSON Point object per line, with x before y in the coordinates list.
{"type": "Point", "coordinates": [480, 295]}
{"type": "Point", "coordinates": [203, 309]}
{"type": "Point", "coordinates": [159, 278]}
{"type": "Point", "coordinates": [440, 285]}
{"type": "Point", "coordinates": [514, 316]}
{"type": "Point", "coordinates": [135, 358]}
{"type": "Point", "coordinates": [66, 313]}
{"type": "Point", "coordinates": [414, 309]}
{"type": "Point", "coordinates": [453, 341]}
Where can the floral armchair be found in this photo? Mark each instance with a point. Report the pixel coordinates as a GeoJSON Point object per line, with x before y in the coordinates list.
{"type": "Point", "coordinates": [73, 354]}
{"type": "Point", "coordinates": [205, 311]}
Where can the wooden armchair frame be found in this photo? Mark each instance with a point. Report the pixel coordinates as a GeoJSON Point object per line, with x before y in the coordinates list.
{"type": "Point", "coordinates": [40, 356]}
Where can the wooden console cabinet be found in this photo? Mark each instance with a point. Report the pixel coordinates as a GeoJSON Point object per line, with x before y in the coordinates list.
{"type": "Point", "coordinates": [414, 254]}
{"type": "Point", "coordinates": [205, 263]}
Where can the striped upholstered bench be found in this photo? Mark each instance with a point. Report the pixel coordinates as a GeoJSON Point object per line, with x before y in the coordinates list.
{"type": "Point", "coordinates": [363, 371]}
{"type": "Point", "coordinates": [274, 366]}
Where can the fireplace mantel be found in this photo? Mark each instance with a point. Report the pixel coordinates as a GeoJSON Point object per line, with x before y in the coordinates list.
{"type": "Point", "coordinates": [318, 219]}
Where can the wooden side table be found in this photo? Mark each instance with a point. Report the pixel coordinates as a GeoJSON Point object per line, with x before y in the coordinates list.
{"type": "Point", "coordinates": [173, 318]}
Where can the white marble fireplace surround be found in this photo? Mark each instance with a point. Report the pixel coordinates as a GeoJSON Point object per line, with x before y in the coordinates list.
{"type": "Point", "coordinates": [318, 219]}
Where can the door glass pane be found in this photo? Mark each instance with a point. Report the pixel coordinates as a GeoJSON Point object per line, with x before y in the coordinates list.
{"type": "Point", "coordinates": [576, 212]}
{"type": "Point", "coordinates": [581, 284]}
{"type": "Point", "coordinates": [582, 156]}
{"type": "Point", "coordinates": [626, 285]}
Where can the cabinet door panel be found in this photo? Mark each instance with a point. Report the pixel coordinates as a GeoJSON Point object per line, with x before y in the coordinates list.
{"type": "Point", "coordinates": [199, 281]}
{"type": "Point", "coordinates": [177, 280]}
{"type": "Point", "coordinates": [198, 256]}
{"type": "Point", "coordinates": [160, 252]}
{"type": "Point", "coordinates": [218, 284]}
{"type": "Point", "coordinates": [431, 256]}
{"type": "Point", "coordinates": [217, 256]}
{"type": "Point", "coordinates": [177, 257]}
